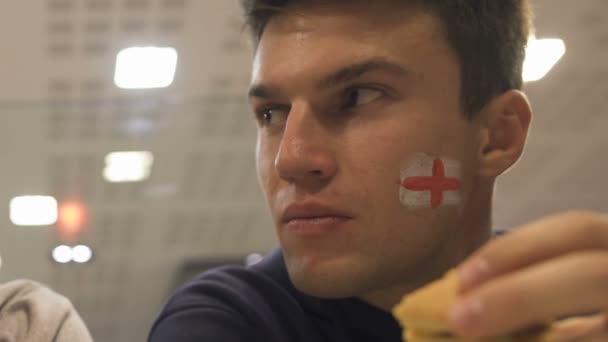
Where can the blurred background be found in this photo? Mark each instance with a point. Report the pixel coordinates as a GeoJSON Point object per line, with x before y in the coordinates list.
{"type": "Point", "coordinates": [114, 195]}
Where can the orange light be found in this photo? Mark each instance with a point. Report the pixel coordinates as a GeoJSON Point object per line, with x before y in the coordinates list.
{"type": "Point", "coordinates": [71, 218]}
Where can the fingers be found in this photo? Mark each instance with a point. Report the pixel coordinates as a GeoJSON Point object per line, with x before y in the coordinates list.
{"type": "Point", "coordinates": [563, 286]}
{"type": "Point", "coordinates": [578, 329]}
{"type": "Point", "coordinates": [544, 239]}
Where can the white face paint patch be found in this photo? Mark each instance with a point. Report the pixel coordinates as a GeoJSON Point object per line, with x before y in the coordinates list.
{"type": "Point", "coordinates": [428, 182]}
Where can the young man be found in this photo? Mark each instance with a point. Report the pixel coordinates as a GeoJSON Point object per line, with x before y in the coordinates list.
{"type": "Point", "coordinates": [382, 126]}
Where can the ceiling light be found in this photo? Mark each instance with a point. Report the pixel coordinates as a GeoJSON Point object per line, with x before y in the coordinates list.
{"type": "Point", "coordinates": [62, 254]}
{"type": "Point", "coordinates": [82, 254]}
{"type": "Point", "coordinates": [72, 217]}
{"type": "Point", "coordinates": [145, 67]}
{"type": "Point", "coordinates": [33, 210]}
{"type": "Point", "coordinates": [128, 166]}
{"type": "Point", "coordinates": [541, 56]}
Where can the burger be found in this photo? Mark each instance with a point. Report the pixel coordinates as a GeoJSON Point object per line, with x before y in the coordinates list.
{"type": "Point", "coordinates": [424, 316]}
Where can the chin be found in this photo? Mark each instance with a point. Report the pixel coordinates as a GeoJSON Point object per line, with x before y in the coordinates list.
{"type": "Point", "coordinates": [330, 280]}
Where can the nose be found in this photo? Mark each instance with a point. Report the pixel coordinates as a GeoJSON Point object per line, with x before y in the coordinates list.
{"type": "Point", "coordinates": [305, 155]}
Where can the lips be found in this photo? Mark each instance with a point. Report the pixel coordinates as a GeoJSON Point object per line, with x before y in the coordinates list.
{"type": "Point", "coordinates": [313, 218]}
{"type": "Point", "coordinates": [311, 211]}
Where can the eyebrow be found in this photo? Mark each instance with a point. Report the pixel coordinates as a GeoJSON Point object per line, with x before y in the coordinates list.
{"type": "Point", "coordinates": [341, 76]}
{"type": "Point", "coordinates": [357, 70]}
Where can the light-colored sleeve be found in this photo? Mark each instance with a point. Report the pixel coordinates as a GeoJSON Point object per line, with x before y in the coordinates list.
{"type": "Point", "coordinates": [31, 312]}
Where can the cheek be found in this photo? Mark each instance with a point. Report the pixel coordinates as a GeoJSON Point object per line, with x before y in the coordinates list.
{"type": "Point", "coordinates": [430, 182]}
{"type": "Point", "coordinates": [264, 161]}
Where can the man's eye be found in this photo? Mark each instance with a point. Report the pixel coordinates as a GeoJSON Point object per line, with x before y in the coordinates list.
{"type": "Point", "coordinates": [361, 96]}
{"type": "Point", "coordinates": [271, 116]}
{"type": "Point", "coordinates": [266, 116]}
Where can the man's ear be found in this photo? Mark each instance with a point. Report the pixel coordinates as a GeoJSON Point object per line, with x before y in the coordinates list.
{"type": "Point", "coordinates": [504, 128]}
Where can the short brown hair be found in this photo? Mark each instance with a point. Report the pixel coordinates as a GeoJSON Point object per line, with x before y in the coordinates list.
{"type": "Point", "coordinates": [488, 36]}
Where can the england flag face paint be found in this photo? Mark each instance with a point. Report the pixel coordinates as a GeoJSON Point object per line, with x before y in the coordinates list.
{"type": "Point", "coordinates": [430, 182]}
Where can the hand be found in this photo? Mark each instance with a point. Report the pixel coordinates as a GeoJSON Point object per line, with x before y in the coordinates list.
{"type": "Point", "coordinates": [554, 268]}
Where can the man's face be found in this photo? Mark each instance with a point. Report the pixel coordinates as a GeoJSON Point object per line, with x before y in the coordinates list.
{"type": "Point", "coordinates": [345, 96]}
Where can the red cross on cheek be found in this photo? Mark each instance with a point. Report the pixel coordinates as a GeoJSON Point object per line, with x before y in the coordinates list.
{"type": "Point", "coordinates": [437, 184]}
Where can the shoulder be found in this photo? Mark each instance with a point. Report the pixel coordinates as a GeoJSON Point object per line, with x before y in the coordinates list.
{"type": "Point", "coordinates": [28, 308]}
{"type": "Point", "coordinates": [231, 303]}
{"type": "Point", "coordinates": [236, 287]}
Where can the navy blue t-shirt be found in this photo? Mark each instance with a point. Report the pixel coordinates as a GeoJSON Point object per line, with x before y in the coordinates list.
{"type": "Point", "coordinates": [259, 303]}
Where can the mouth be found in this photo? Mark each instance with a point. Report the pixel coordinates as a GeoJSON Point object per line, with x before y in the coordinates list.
{"type": "Point", "coordinates": [315, 225]}
{"type": "Point", "coordinates": [313, 219]}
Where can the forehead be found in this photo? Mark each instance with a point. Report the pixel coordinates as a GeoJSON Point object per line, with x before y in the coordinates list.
{"type": "Point", "coordinates": [335, 15]}
{"type": "Point", "coordinates": [328, 35]}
